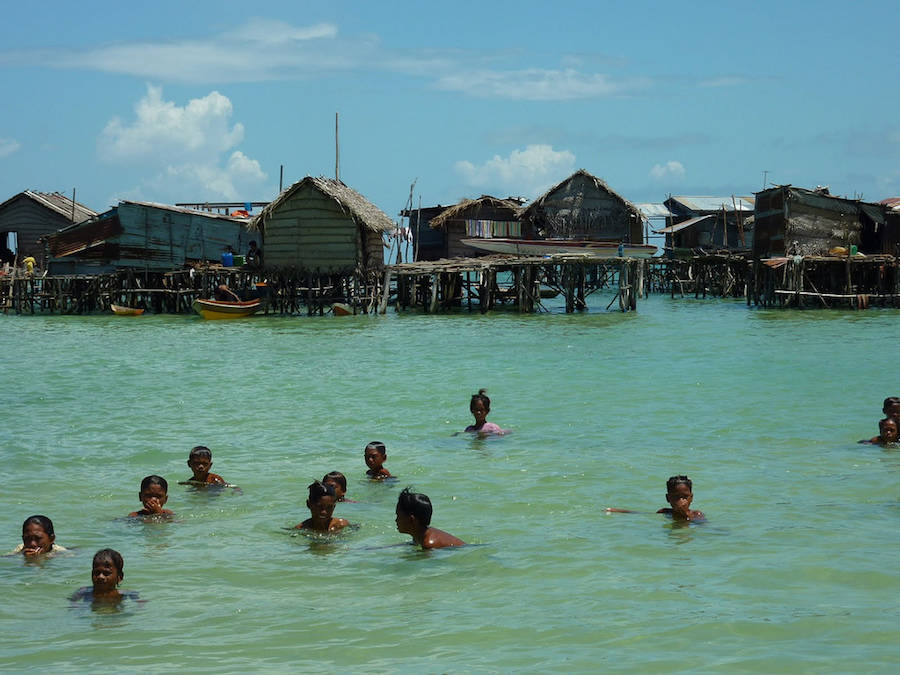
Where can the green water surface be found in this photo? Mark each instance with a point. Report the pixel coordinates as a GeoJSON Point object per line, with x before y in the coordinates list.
{"type": "Point", "coordinates": [795, 570]}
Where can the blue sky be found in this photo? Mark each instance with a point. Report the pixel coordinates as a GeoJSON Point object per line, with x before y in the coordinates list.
{"type": "Point", "coordinates": [194, 101]}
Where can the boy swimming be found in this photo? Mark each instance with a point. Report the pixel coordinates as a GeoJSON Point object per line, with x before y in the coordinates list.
{"type": "Point", "coordinates": [414, 518]}
{"type": "Point", "coordinates": [888, 432]}
{"type": "Point", "coordinates": [480, 406]}
{"type": "Point", "coordinates": [38, 537]}
{"type": "Point", "coordinates": [107, 572]}
{"type": "Point", "coordinates": [891, 407]}
{"type": "Point", "coordinates": [679, 496]}
{"type": "Point", "coordinates": [153, 495]}
{"type": "Point", "coordinates": [375, 455]}
{"type": "Point", "coordinates": [321, 503]}
{"type": "Point", "coordinates": [200, 462]}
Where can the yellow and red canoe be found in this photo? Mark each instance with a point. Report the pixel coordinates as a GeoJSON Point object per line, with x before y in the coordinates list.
{"type": "Point", "coordinates": [216, 309]}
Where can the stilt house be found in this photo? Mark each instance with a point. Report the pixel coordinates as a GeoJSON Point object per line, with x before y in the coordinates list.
{"type": "Point", "coordinates": [583, 207]}
{"type": "Point", "coordinates": [429, 243]}
{"type": "Point", "coordinates": [30, 215]}
{"type": "Point", "coordinates": [485, 217]}
{"type": "Point", "coordinates": [144, 236]}
{"type": "Point", "coordinates": [321, 225]}
{"type": "Point", "coordinates": [891, 226]}
{"type": "Point", "coordinates": [791, 220]}
{"type": "Point", "coordinates": [710, 223]}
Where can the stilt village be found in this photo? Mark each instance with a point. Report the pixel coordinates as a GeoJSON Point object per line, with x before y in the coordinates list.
{"type": "Point", "coordinates": [320, 246]}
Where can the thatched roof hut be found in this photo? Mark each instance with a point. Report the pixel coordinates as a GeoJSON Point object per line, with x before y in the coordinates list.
{"type": "Point", "coordinates": [483, 217]}
{"type": "Point", "coordinates": [321, 224]}
{"type": "Point", "coordinates": [584, 207]}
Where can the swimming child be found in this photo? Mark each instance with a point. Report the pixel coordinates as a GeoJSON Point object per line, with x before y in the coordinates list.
{"type": "Point", "coordinates": [153, 495]}
{"type": "Point", "coordinates": [891, 407]}
{"type": "Point", "coordinates": [321, 503]}
{"type": "Point", "coordinates": [38, 537]}
{"type": "Point", "coordinates": [888, 432]}
{"type": "Point", "coordinates": [107, 572]}
{"type": "Point", "coordinates": [200, 461]}
{"type": "Point", "coordinates": [480, 406]}
{"type": "Point", "coordinates": [375, 455]}
{"type": "Point", "coordinates": [338, 481]}
{"type": "Point", "coordinates": [680, 496]}
{"type": "Point", "coordinates": [414, 518]}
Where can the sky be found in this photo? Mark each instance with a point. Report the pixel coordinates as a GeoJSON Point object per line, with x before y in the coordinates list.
{"type": "Point", "coordinates": [205, 101]}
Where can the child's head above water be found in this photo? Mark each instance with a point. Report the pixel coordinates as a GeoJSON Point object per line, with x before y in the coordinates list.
{"type": "Point", "coordinates": [150, 481]}
{"type": "Point", "coordinates": [480, 403]}
{"type": "Point", "coordinates": [153, 495]}
{"type": "Point", "coordinates": [679, 494]}
{"type": "Point", "coordinates": [107, 571]}
{"type": "Point", "coordinates": [200, 461]}
{"type": "Point", "coordinates": [891, 406]}
{"type": "Point", "coordinates": [889, 430]}
{"type": "Point", "coordinates": [337, 481]}
{"type": "Point", "coordinates": [375, 455]}
{"type": "Point", "coordinates": [37, 535]}
{"type": "Point", "coordinates": [413, 505]}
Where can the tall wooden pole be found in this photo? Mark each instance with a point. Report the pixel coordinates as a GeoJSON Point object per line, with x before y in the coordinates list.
{"type": "Point", "coordinates": [337, 154]}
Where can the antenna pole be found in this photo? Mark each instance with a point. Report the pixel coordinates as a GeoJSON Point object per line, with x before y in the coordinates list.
{"type": "Point", "coordinates": [281, 179]}
{"type": "Point", "coordinates": [337, 154]}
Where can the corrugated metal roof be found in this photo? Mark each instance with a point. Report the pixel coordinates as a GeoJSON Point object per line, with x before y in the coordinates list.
{"type": "Point", "coordinates": [181, 209]}
{"type": "Point", "coordinates": [654, 210]}
{"type": "Point", "coordinates": [700, 204]}
{"type": "Point", "coordinates": [58, 202]}
{"type": "Point", "coordinates": [893, 203]}
{"type": "Point", "coordinates": [683, 225]}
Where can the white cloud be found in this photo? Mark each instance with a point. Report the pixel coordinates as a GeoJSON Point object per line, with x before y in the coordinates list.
{"type": "Point", "coordinates": [723, 81]}
{"type": "Point", "coordinates": [188, 150]}
{"type": "Point", "coordinates": [8, 146]}
{"type": "Point", "coordinates": [670, 169]}
{"type": "Point", "coordinates": [165, 132]}
{"type": "Point", "coordinates": [529, 171]}
{"type": "Point", "coordinates": [266, 49]}
{"type": "Point", "coordinates": [536, 84]}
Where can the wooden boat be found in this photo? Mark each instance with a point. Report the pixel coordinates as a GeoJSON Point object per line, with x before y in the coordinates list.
{"type": "Point", "coordinates": [126, 311]}
{"type": "Point", "coordinates": [216, 309]}
{"type": "Point", "coordinates": [597, 249]}
{"type": "Point", "coordinates": [341, 309]}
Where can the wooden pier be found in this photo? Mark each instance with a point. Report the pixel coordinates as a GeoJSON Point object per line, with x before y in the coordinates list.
{"type": "Point", "coordinates": [288, 292]}
{"type": "Point", "coordinates": [518, 282]}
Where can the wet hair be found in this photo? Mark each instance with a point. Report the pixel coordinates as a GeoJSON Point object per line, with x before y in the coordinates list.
{"type": "Point", "coordinates": [318, 489]}
{"type": "Point", "coordinates": [889, 402]}
{"type": "Point", "coordinates": [675, 481]}
{"type": "Point", "coordinates": [379, 446]}
{"type": "Point", "coordinates": [882, 422]}
{"type": "Point", "coordinates": [481, 396]}
{"type": "Point", "coordinates": [155, 480]}
{"type": "Point", "coordinates": [415, 504]}
{"type": "Point", "coordinates": [337, 477]}
{"type": "Point", "coordinates": [114, 557]}
{"type": "Point", "coordinates": [43, 521]}
{"type": "Point", "coordinates": [200, 451]}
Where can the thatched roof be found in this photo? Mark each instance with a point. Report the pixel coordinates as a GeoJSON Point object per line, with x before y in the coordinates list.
{"type": "Point", "coordinates": [458, 210]}
{"type": "Point", "coordinates": [351, 202]}
{"type": "Point", "coordinates": [532, 209]}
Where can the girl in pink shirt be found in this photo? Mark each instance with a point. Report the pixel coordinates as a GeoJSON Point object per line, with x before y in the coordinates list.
{"type": "Point", "coordinates": [480, 406]}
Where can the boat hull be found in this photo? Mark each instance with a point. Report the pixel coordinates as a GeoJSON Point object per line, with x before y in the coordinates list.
{"type": "Point", "coordinates": [125, 311]}
{"type": "Point", "coordinates": [596, 249]}
{"type": "Point", "coordinates": [214, 309]}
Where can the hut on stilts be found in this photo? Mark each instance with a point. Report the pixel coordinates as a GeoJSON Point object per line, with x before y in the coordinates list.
{"type": "Point", "coordinates": [323, 245]}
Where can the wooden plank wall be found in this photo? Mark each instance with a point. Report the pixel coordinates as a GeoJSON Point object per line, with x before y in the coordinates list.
{"type": "Point", "coordinates": [310, 231]}
{"type": "Point", "coordinates": [31, 221]}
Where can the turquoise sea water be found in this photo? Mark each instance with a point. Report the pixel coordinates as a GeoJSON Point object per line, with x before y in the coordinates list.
{"type": "Point", "coordinates": [795, 570]}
